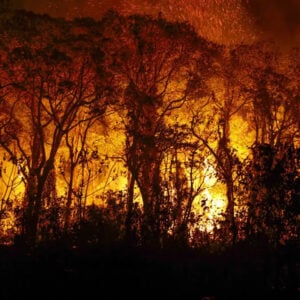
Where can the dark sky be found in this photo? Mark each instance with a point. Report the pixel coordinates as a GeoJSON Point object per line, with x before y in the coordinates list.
{"type": "Point", "coordinates": [278, 19]}
{"type": "Point", "coordinates": [220, 20]}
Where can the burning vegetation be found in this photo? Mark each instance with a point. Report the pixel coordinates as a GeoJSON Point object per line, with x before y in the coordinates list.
{"type": "Point", "coordinates": [135, 129]}
{"type": "Point", "coordinates": [144, 114]}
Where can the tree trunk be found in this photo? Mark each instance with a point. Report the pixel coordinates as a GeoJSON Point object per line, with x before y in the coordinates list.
{"type": "Point", "coordinates": [128, 222]}
{"type": "Point", "coordinates": [69, 201]}
{"type": "Point", "coordinates": [32, 211]}
{"type": "Point", "coordinates": [149, 184]}
{"type": "Point", "coordinates": [230, 209]}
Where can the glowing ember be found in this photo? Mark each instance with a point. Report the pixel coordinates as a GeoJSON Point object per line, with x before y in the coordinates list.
{"type": "Point", "coordinates": [224, 21]}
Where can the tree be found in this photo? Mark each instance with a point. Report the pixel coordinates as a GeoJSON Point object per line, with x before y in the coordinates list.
{"type": "Point", "coordinates": [274, 104]}
{"type": "Point", "coordinates": [183, 181]}
{"type": "Point", "coordinates": [79, 168]}
{"type": "Point", "coordinates": [229, 96]}
{"type": "Point", "coordinates": [271, 113]}
{"type": "Point", "coordinates": [273, 93]}
{"type": "Point", "coordinates": [153, 61]}
{"type": "Point", "coordinates": [49, 86]}
{"type": "Point", "coordinates": [273, 187]}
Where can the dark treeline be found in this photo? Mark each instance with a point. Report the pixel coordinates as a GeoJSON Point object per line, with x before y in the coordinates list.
{"type": "Point", "coordinates": [173, 101]}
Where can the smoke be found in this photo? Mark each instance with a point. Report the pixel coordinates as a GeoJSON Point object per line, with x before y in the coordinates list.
{"type": "Point", "coordinates": [224, 21]}
{"type": "Point", "coordinates": [18, 4]}
{"type": "Point", "coordinates": [221, 21]}
{"type": "Point", "coordinates": [278, 20]}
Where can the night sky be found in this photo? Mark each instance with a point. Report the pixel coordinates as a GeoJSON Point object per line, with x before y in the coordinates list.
{"type": "Point", "coordinates": [219, 20]}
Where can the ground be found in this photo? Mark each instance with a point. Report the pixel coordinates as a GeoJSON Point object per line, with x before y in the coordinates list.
{"type": "Point", "coordinates": [59, 272]}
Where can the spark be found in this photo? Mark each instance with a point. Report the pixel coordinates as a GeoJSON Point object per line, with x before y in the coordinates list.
{"type": "Point", "coordinates": [222, 21]}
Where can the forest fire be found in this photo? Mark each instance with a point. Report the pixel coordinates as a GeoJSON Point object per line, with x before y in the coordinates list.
{"type": "Point", "coordinates": [213, 205]}
{"type": "Point", "coordinates": [151, 130]}
{"type": "Point", "coordinates": [77, 156]}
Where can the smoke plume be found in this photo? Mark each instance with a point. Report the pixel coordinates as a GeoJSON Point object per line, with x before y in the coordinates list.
{"type": "Point", "coordinates": [278, 20]}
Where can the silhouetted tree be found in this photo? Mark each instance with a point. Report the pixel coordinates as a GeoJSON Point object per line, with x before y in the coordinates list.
{"type": "Point", "coordinates": [229, 96]}
{"type": "Point", "coordinates": [273, 188]}
{"type": "Point", "coordinates": [51, 84]}
{"type": "Point", "coordinates": [274, 104]}
{"type": "Point", "coordinates": [153, 60]}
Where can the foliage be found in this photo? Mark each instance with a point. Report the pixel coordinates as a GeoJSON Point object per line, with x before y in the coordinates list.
{"type": "Point", "coordinates": [148, 102]}
{"type": "Point", "coordinates": [273, 187]}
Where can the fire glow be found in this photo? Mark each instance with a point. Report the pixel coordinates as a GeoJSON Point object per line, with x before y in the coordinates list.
{"type": "Point", "coordinates": [144, 117]}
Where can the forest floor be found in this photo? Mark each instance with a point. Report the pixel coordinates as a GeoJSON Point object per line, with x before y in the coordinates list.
{"type": "Point", "coordinates": [58, 272]}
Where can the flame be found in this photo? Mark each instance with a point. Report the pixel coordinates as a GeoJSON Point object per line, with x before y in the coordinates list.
{"type": "Point", "coordinates": [11, 191]}
{"type": "Point", "coordinates": [214, 197]}
{"type": "Point", "coordinates": [211, 202]}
